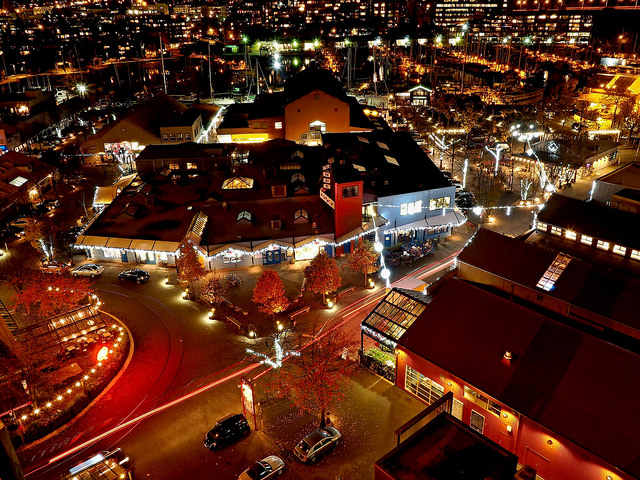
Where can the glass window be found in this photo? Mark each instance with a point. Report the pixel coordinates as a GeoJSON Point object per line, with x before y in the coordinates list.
{"type": "Point", "coordinates": [187, 137]}
{"type": "Point", "coordinates": [421, 386]}
{"type": "Point", "coordinates": [619, 250]}
{"type": "Point", "coordinates": [411, 207]}
{"type": "Point", "coordinates": [556, 231]}
{"type": "Point", "coordinates": [477, 421]}
{"type": "Point", "coordinates": [179, 135]}
{"type": "Point", "coordinates": [350, 191]}
{"type": "Point", "coordinates": [278, 125]}
{"type": "Point", "coordinates": [541, 226]}
{"type": "Point", "coordinates": [244, 215]}
{"type": "Point", "coordinates": [602, 245]}
{"type": "Point", "coordinates": [191, 166]}
{"type": "Point", "coordinates": [586, 239]}
{"type": "Point", "coordinates": [635, 254]}
{"type": "Point", "coordinates": [437, 203]}
{"type": "Point", "coordinates": [174, 166]}
{"type": "Point", "coordinates": [570, 235]}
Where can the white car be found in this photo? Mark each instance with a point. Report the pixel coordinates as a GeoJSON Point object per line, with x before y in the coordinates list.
{"type": "Point", "coordinates": [269, 467]}
{"type": "Point", "coordinates": [317, 443]}
{"type": "Point", "coordinates": [87, 270]}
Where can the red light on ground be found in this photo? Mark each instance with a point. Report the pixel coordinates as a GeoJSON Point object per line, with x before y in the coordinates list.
{"type": "Point", "coordinates": [103, 353]}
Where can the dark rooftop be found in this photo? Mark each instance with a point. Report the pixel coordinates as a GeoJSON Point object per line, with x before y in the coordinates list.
{"type": "Point", "coordinates": [598, 290]}
{"type": "Point", "coordinates": [446, 449]}
{"type": "Point", "coordinates": [388, 164]}
{"type": "Point", "coordinates": [604, 223]}
{"type": "Point", "coordinates": [552, 377]}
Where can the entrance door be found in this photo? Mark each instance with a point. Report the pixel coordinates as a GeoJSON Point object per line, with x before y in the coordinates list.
{"type": "Point", "coordinates": [271, 257]}
{"type": "Point", "coordinates": [537, 461]}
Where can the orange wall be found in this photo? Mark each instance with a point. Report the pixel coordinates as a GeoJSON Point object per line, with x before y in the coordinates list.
{"type": "Point", "coordinates": [316, 106]}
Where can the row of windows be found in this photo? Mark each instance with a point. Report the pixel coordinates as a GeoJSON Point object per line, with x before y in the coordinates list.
{"type": "Point", "coordinates": [588, 240]}
{"type": "Point", "coordinates": [416, 207]}
{"type": "Point", "coordinates": [176, 137]}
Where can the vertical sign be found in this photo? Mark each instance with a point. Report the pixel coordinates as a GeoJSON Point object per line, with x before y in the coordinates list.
{"type": "Point", "coordinates": [248, 406]}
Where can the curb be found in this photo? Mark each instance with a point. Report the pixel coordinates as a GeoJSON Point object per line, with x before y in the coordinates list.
{"type": "Point", "coordinates": [83, 412]}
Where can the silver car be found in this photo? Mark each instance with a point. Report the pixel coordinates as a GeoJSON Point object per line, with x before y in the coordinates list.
{"type": "Point", "coordinates": [88, 270]}
{"type": "Point", "coordinates": [269, 467]}
{"type": "Point", "coordinates": [317, 443]}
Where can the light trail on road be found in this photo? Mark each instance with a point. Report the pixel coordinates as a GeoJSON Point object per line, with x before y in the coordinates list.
{"type": "Point", "coordinates": [146, 415]}
{"type": "Point", "coordinates": [423, 272]}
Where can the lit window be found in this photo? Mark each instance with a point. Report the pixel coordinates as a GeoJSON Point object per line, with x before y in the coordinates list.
{"type": "Point", "coordinates": [481, 400]}
{"type": "Point", "coordinates": [635, 254]}
{"type": "Point", "coordinates": [548, 280]}
{"type": "Point", "coordinates": [278, 125]}
{"type": "Point", "coordinates": [18, 181]}
{"type": "Point", "coordinates": [602, 245]}
{"type": "Point", "coordinates": [187, 137]}
{"type": "Point", "coordinates": [411, 208]}
{"type": "Point", "coordinates": [297, 177]}
{"type": "Point", "coordinates": [437, 203]}
{"type": "Point", "coordinates": [301, 216]}
{"type": "Point", "coordinates": [191, 166]}
{"type": "Point", "coordinates": [244, 215]}
{"type": "Point", "coordinates": [556, 231]}
{"type": "Point", "coordinates": [237, 183]}
{"type": "Point", "coordinates": [586, 239]}
{"type": "Point", "coordinates": [570, 235]}
{"type": "Point", "coordinates": [541, 226]}
{"type": "Point", "coordinates": [421, 386]}
{"type": "Point", "coordinates": [619, 250]}
{"type": "Point", "coordinates": [174, 166]}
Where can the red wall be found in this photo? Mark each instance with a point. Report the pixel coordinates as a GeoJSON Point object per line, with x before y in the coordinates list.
{"type": "Point", "coordinates": [348, 213]}
{"type": "Point", "coordinates": [561, 460]}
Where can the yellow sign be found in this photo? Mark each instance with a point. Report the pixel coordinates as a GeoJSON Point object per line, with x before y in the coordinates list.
{"type": "Point", "coordinates": [249, 137]}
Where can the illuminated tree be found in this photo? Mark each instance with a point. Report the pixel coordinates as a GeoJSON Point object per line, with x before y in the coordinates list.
{"type": "Point", "coordinates": [213, 289]}
{"type": "Point", "coordinates": [188, 264]}
{"type": "Point", "coordinates": [43, 295]}
{"type": "Point", "coordinates": [630, 115]}
{"type": "Point", "coordinates": [322, 274]}
{"type": "Point", "coordinates": [315, 379]}
{"type": "Point", "coordinates": [269, 293]}
{"type": "Point", "coordinates": [364, 259]}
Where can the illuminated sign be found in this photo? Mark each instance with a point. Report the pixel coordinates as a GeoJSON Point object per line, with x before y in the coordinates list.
{"type": "Point", "coordinates": [103, 353]}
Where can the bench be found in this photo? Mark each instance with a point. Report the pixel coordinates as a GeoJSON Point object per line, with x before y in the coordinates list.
{"type": "Point", "coordinates": [301, 311]}
{"type": "Point", "coordinates": [345, 290]}
{"type": "Point", "coordinates": [235, 321]}
{"type": "Point", "coordinates": [228, 302]}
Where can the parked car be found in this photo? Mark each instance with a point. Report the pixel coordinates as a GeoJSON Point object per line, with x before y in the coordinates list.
{"type": "Point", "coordinates": [88, 270]}
{"type": "Point", "coordinates": [269, 467]}
{"type": "Point", "coordinates": [54, 267]}
{"type": "Point", "coordinates": [317, 443]}
{"type": "Point", "coordinates": [466, 200]}
{"type": "Point", "coordinates": [134, 274]}
{"type": "Point", "coordinates": [19, 222]}
{"type": "Point", "coordinates": [52, 204]}
{"type": "Point", "coordinates": [227, 430]}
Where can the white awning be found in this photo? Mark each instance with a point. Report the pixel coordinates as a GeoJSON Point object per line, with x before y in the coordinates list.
{"type": "Point", "coordinates": [164, 246]}
{"type": "Point", "coordinates": [450, 219]}
{"type": "Point", "coordinates": [92, 241]}
{"type": "Point", "coordinates": [114, 242]}
{"type": "Point", "coordinates": [139, 244]}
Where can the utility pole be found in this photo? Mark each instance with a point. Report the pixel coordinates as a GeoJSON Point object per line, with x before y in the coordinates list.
{"type": "Point", "coordinates": [164, 78]}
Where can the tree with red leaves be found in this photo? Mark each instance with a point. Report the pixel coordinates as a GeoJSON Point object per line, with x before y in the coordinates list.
{"type": "Point", "coordinates": [322, 274]}
{"type": "Point", "coordinates": [364, 259]}
{"type": "Point", "coordinates": [188, 264]}
{"type": "Point", "coordinates": [269, 293]}
{"type": "Point", "coordinates": [213, 289]}
{"type": "Point", "coordinates": [316, 377]}
{"type": "Point", "coordinates": [42, 296]}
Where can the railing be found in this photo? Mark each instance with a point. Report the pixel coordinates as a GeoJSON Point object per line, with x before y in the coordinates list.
{"type": "Point", "coordinates": [420, 420]}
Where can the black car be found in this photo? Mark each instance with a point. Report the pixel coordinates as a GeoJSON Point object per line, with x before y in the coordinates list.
{"type": "Point", "coordinates": [227, 430]}
{"type": "Point", "coordinates": [135, 274]}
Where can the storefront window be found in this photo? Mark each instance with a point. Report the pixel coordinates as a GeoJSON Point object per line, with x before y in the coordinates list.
{"type": "Point", "coordinates": [556, 231]}
{"type": "Point", "coordinates": [308, 252]}
{"type": "Point", "coordinates": [541, 226]}
{"type": "Point", "coordinates": [421, 386]}
{"type": "Point", "coordinates": [570, 235]}
{"type": "Point", "coordinates": [619, 250]}
{"type": "Point", "coordinates": [437, 203]}
{"type": "Point", "coordinates": [586, 239]}
{"type": "Point", "coordinates": [602, 245]}
{"type": "Point", "coordinates": [635, 254]}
